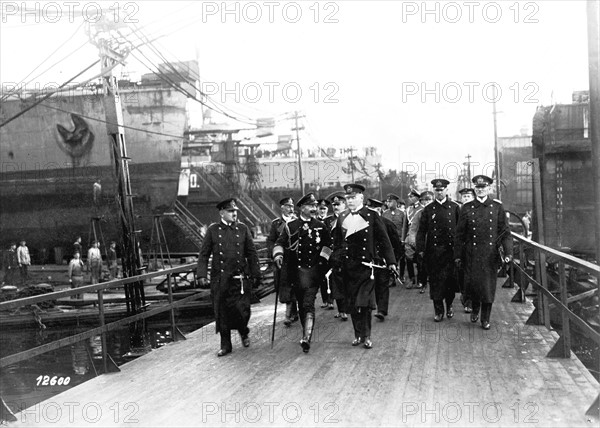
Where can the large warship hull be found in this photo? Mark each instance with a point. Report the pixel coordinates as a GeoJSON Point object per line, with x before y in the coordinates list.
{"type": "Point", "coordinates": [58, 171]}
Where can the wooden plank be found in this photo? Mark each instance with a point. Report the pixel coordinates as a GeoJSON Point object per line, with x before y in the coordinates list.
{"type": "Point", "coordinates": [419, 372]}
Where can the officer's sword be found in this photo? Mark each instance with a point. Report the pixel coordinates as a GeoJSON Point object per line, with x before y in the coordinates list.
{"type": "Point", "coordinates": [241, 278]}
{"type": "Point", "coordinates": [327, 275]}
{"type": "Point", "coordinates": [373, 266]}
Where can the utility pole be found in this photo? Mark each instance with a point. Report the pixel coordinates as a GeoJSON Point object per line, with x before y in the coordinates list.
{"type": "Point", "coordinates": [297, 129]}
{"type": "Point", "coordinates": [593, 22]}
{"type": "Point", "coordinates": [496, 154]}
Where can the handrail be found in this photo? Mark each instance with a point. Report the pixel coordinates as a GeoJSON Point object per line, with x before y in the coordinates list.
{"type": "Point", "coordinates": [17, 303]}
{"type": "Point", "coordinates": [563, 347]}
{"type": "Point", "coordinates": [582, 264]}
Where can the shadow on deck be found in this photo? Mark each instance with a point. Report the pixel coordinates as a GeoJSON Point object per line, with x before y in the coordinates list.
{"type": "Point", "coordinates": [419, 372]}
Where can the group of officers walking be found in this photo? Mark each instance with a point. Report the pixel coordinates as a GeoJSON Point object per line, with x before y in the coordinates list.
{"type": "Point", "coordinates": [352, 256]}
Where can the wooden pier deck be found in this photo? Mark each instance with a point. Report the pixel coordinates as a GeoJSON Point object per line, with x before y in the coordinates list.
{"type": "Point", "coordinates": [419, 373]}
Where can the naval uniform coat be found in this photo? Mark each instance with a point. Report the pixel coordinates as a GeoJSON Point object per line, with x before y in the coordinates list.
{"type": "Point", "coordinates": [352, 247]}
{"type": "Point", "coordinates": [233, 253]}
{"type": "Point", "coordinates": [482, 228]}
{"type": "Point", "coordinates": [303, 244]}
{"type": "Point", "coordinates": [435, 238]}
{"type": "Point", "coordinates": [336, 281]}
{"type": "Point", "coordinates": [277, 226]}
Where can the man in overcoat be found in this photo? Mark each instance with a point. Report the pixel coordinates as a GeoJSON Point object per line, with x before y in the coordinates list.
{"type": "Point", "coordinates": [435, 244]}
{"type": "Point", "coordinates": [482, 229]}
{"type": "Point", "coordinates": [233, 272]}
{"type": "Point", "coordinates": [336, 280]}
{"type": "Point", "coordinates": [467, 194]}
{"type": "Point", "coordinates": [384, 276]}
{"type": "Point", "coordinates": [277, 225]}
{"type": "Point", "coordinates": [302, 251]}
{"type": "Point", "coordinates": [354, 239]}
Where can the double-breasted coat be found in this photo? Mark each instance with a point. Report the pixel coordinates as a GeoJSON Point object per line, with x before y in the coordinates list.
{"type": "Point", "coordinates": [233, 254]}
{"type": "Point", "coordinates": [482, 228]}
{"type": "Point", "coordinates": [355, 240]}
{"type": "Point", "coordinates": [304, 244]}
{"type": "Point", "coordinates": [435, 238]}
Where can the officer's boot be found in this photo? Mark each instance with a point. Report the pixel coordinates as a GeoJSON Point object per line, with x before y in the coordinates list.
{"type": "Point", "coordinates": [288, 315]}
{"type": "Point", "coordinates": [308, 329]}
{"type": "Point", "coordinates": [486, 310]}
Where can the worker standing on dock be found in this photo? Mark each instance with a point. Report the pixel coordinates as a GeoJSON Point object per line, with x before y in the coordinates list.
{"type": "Point", "coordinates": [355, 236]}
{"type": "Point", "coordinates": [482, 229]}
{"type": "Point", "coordinates": [233, 272]}
{"type": "Point", "coordinates": [94, 261]}
{"type": "Point", "coordinates": [24, 261]}
{"type": "Point", "coordinates": [12, 265]}
{"type": "Point", "coordinates": [302, 251]}
{"type": "Point", "coordinates": [76, 273]}
{"type": "Point", "coordinates": [112, 260]}
{"type": "Point", "coordinates": [435, 242]}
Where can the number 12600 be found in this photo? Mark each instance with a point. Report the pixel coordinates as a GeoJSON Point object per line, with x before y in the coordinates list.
{"type": "Point", "coordinates": [54, 380]}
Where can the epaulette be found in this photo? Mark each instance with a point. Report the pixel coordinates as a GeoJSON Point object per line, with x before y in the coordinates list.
{"type": "Point", "coordinates": [497, 200]}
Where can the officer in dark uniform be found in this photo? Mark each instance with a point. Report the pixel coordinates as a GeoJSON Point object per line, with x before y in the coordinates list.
{"type": "Point", "coordinates": [277, 225]}
{"type": "Point", "coordinates": [413, 209]}
{"type": "Point", "coordinates": [336, 280]}
{"type": "Point", "coordinates": [322, 215]}
{"type": "Point", "coordinates": [302, 251]}
{"type": "Point", "coordinates": [397, 214]}
{"type": "Point", "coordinates": [233, 271]}
{"type": "Point", "coordinates": [354, 238]}
{"type": "Point", "coordinates": [482, 228]}
{"type": "Point", "coordinates": [435, 244]}
{"type": "Point", "coordinates": [383, 277]}
{"type": "Point", "coordinates": [466, 195]}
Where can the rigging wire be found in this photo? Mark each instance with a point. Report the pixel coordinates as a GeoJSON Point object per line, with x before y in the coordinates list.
{"type": "Point", "coordinates": [22, 112]}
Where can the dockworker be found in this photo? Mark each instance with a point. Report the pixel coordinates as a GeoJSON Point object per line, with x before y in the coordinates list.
{"type": "Point", "coordinates": [77, 248]}
{"type": "Point", "coordinates": [302, 252]}
{"type": "Point", "coordinates": [76, 273]}
{"type": "Point", "coordinates": [409, 234]}
{"type": "Point", "coordinates": [233, 272]}
{"type": "Point", "coordinates": [336, 280]}
{"type": "Point", "coordinates": [482, 229]}
{"type": "Point", "coordinates": [24, 261]}
{"type": "Point", "coordinates": [383, 277]}
{"type": "Point", "coordinates": [112, 260]}
{"type": "Point", "coordinates": [12, 265]}
{"type": "Point", "coordinates": [287, 214]}
{"type": "Point", "coordinates": [435, 245]}
{"type": "Point", "coordinates": [94, 261]}
{"type": "Point", "coordinates": [397, 214]}
{"type": "Point", "coordinates": [354, 238]}
{"type": "Point", "coordinates": [467, 194]}
{"type": "Point", "coordinates": [322, 211]}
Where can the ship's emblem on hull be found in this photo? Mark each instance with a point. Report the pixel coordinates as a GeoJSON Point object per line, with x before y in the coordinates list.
{"type": "Point", "coordinates": [78, 142]}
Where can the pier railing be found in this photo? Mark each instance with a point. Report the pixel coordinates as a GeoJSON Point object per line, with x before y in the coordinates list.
{"type": "Point", "coordinates": [103, 328]}
{"type": "Point", "coordinates": [545, 260]}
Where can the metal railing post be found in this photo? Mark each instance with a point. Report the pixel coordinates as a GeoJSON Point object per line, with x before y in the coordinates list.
{"type": "Point", "coordinates": [544, 284]}
{"type": "Point", "coordinates": [103, 334]}
{"type": "Point", "coordinates": [523, 265]}
{"type": "Point", "coordinates": [566, 326]}
{"type": "Point", "coordinates": [171, 311]}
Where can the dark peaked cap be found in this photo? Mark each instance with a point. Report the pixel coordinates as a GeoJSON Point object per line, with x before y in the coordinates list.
{"type": "Point", "coordinates": [227, 204]}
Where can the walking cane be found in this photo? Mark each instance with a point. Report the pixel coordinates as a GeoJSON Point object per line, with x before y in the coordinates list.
{"type": "Point", "coordinates": [274, 317]}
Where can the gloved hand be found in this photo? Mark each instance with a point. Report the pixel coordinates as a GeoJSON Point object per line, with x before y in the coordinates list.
{"type": "Point", "coordinates": [458, 263]}
{"type": "Point", "coordinates": [203, 282]}
{"type": "Point", "coordinates": [508, 259]}
{"type": "Point", "coordinates": [279, 261]}
{"type": "Point", "coordinates": [394, 269]}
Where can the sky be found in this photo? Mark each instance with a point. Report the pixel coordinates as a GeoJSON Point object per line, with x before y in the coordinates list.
{"type": "Point", "coordinates": [414, 79]}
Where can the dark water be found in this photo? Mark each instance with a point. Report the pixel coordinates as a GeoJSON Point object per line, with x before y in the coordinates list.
{"type": "Point", "coordinates": [29, 382]}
